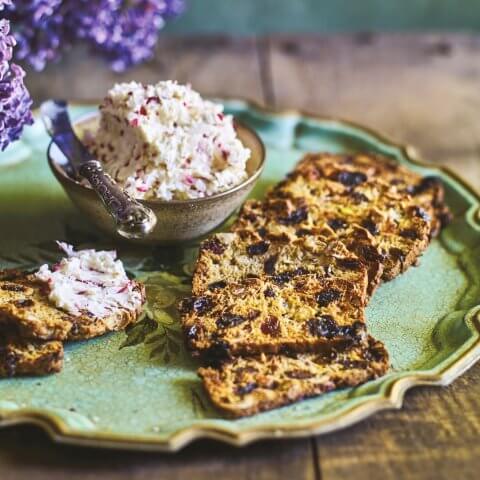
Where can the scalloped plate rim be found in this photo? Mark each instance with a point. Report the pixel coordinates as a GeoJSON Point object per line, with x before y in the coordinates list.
{"type": "Point", "coordinates": [392, 398]}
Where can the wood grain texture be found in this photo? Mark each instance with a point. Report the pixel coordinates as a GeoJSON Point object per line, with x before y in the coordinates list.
{"type": "Point", "coordinates": [419, 89]}
{"type": "Point", "coordinates": [435, 436]}
{"type": "Point", "coordinates": [216, 65]}
{"type": "Point", "coordinates": [26, 453]}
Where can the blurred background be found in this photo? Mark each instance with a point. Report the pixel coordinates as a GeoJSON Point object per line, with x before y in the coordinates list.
{"type": "Point", "coordinates": [246, 17]}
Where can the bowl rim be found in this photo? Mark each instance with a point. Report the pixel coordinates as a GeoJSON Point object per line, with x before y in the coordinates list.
{"type": "Point", "coordinates": [59, 172]}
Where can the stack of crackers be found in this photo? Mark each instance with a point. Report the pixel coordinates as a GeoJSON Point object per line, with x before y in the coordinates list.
{"type": "Point", "coordinates": [278, 306]}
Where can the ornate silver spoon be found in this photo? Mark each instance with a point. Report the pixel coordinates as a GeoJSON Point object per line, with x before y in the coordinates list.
{"type": "Point", "coordinates": [133, 220]}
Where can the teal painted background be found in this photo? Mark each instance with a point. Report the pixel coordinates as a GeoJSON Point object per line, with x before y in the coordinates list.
{"type": "Point", "coordinates": [244, 17]}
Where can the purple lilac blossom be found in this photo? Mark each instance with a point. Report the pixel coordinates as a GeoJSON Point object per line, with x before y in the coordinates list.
{"type": "Point", "coordinates": [4, 3]}
{"type": "Point", "coordinates": [124, 32]}
{"type": "Point", "coordinates": [15, 101]}
{"type": "Point", "coordinates": [39, 29]}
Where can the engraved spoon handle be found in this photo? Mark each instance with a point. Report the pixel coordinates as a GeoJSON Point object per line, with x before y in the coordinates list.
{"type": "Point", "coordinates": [133, 219]}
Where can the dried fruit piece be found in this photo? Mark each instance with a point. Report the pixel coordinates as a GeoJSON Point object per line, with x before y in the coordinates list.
{"type": "Point", "coordinates": [214, 245]}
{"type": "Point", "coordinates": [271, 326]}
{"type": "Point", "coordinates": [327, 296]}
{"type": "Point", "coordinates": [410, 233]}
{"type": "Point", "coordinates": [269, 293]}
{"type": "Point", "coordinates": [337, 224]}
{"type": "Point", "coordinates": [299, 374]}
{"type": "Point", "coordinates": [247, 388]}
{"type": "Point", "coordinates": [258, 248]}
{"type": "Point", "coordinates": [217, 285]}
{"type": "Point", "coordinates": [358, 197]}
{"type": "Point", "coordinates": [12, 287]}
{"type": "Point", "coordinates": [192, 332]}
{"type": "Point", "coordinates": [421, 213]}
{"type": "Point", "coordinates": [371, 226]}
{"type": "Point", "coordinates": [295, 217]}
{"type": "Point", "coordinates": [349, 179]}
{"type": "Point", "coordinates": [349, 263]}
{"type": "Point", "coordinates": [198, 305]}
{"type": "Point", "coordinates": [426, 183]}
{"type": "Point", "coordinates": [24, 303]}
{"type": "Point", "coordinates": [269, 265]}
{"type": "Point", "coordinates": [323, 326]}
{"type": "Point", "coordinates": [228, 320]}
{"type": "Point", "coordinates": [397, 253]}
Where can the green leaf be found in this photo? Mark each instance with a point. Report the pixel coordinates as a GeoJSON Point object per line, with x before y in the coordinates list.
{"type": "Point", "coordinates": [158, 350]}
{"type": "Point", "coordinates": [160, 297]}
{"type": "Point", "coordinates": [173, 346]}
{"type": "Point", "coordinates": [175, 333]}
{"type": "Point", "coordinates": [185, 288]}
{"type": "Point", "coordinates": [161, 337]}
{"type": "Point", "coordinates": [139, 332]}
{"type": "Point", "coordinates": [169, 259]}
{"type": "Point", "coordinates": [131, 326]}
{"type": "Point", "coordinates": [163, 279]}
{"type": "Point", "coordinates": [172, 310]}
{"type": "Point", "coordinates": [163, 318]}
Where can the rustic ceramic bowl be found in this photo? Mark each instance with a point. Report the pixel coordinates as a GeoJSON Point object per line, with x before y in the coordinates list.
{"type": "Point", "coordinates": [177, 220]}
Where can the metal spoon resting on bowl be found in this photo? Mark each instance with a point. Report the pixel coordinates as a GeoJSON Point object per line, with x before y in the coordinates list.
{"type": "Point", "coordinates": [133, 220]}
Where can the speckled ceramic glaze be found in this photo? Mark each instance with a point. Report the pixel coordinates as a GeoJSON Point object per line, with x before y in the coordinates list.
{"type": "Point", "coordinates": [139, 389]}
{"type": "Point", "coordinates": [177, 221]}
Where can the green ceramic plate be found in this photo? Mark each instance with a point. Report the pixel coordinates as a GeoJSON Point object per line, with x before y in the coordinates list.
{"type": "Point", "coordinates": [140, 390]}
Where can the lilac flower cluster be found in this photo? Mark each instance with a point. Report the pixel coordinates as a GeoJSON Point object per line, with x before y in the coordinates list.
{"type": "Point", "coordinates": [15, 101]}
{"type": "Point", "coordinates": [39, 30]}
{"type": "Point", "coordinates": [123, 36]}
{"type": "Point", "coordinates": [124, 32]}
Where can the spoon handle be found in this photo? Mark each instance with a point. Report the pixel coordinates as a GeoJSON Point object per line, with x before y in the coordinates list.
{"type": "Point", "coordinates": [132, 218]}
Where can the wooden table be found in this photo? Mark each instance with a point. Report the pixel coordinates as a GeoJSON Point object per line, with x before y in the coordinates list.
{"type": "Point", "coordinates": [420, 89]}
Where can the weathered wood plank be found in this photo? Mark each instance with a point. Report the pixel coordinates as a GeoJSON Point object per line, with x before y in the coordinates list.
{"type": "Point", "coordinates": [434, 436]}
{"type": "Point", "coordinates": [216, 65]}
{"type": "Point", "coordinates": [26, 453]}
{"type": "Point", "coordinates": [420, 89]}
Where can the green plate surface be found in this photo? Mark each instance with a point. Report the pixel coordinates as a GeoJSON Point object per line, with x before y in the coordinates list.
{"type": "Point", "coordinates": [139, 389]}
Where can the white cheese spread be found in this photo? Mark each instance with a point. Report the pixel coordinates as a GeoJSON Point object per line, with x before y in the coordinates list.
{"type": "Point", "coordinates": [166, 142]}
{"type": "Point", "coordinates": [90, 282]}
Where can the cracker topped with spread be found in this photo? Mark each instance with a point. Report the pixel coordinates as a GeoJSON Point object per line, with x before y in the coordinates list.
{"type": "Point", "coordinates": [85, 295]}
